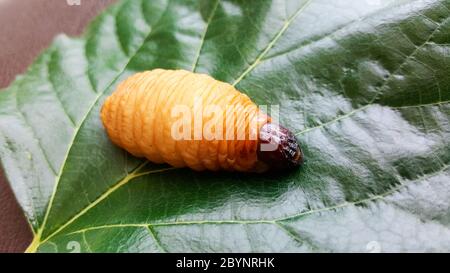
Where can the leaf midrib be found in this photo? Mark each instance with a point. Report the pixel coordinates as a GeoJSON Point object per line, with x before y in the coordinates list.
{"type": "Point", "coordinates": [279, 223]}
{"type": "Point", "coordinates": [276, 220]}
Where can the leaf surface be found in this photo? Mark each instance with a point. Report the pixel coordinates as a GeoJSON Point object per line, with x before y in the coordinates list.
{"type": "Point", "coordinates": [364, 84]}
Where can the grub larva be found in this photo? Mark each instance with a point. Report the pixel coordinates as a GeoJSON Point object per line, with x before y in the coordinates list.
{"type": "Point", "coordinates": [146, 111]}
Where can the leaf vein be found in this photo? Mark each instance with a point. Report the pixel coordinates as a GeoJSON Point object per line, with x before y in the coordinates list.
{"type": "Point", "coordinates": [155, 238]}
{"type": "Point", "coordinates": [272, 43]}
{"type": "Point", "coordinates": [385, 84]}
{"type": "Point", "coordinates": [203, 37]}
{"type": "Point", "coordinates": [57, 95]}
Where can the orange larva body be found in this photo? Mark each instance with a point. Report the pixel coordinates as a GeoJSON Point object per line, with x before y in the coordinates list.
{"type": "Point", "coordinates": [138, 117]}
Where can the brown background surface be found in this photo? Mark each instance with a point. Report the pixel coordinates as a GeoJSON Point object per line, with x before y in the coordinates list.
{"type": "Point", "coordinates": [26, 28]}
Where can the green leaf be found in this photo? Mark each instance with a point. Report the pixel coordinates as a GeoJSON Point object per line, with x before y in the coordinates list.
{"type": "Point", "coordinates": [364, 84]}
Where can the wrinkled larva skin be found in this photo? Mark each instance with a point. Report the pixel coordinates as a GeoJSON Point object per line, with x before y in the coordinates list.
{"type": "Point", "coordinates": [138, 117]}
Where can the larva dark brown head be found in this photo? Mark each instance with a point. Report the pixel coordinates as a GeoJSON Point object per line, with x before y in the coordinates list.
{"type": "Point", "coordinates": [278, 148]}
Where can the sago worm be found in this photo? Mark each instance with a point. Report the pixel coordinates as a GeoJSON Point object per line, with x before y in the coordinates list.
{"type": "Point", "coordinates": [154, 114]}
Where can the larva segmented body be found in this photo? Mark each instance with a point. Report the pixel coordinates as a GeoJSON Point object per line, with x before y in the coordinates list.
{"type": "Point", "coordinates": [139, 117]}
